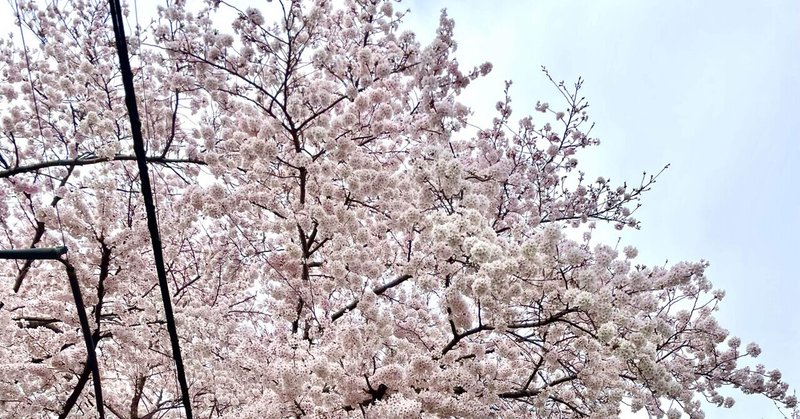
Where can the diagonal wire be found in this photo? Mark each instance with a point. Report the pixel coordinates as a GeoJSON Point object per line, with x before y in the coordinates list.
{"type": "Point", "coordinates": [147, 195]}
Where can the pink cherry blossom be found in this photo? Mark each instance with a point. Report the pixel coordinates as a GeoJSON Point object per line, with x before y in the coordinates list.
{"type": "Point", "coordinates": [340, 240]}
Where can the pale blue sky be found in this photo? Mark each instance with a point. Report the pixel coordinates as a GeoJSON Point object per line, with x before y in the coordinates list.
{"type": "Point", "coordinates": [710, 87]}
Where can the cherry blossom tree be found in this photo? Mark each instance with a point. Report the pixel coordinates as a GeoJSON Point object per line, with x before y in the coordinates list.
{"type": "Point", "coordinates": [340, 240]}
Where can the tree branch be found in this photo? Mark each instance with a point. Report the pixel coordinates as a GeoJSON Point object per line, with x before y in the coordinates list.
{"type": "Point", "coordinates": [378, 291]}
{"type": "Point", "coordinates": [89, 161]}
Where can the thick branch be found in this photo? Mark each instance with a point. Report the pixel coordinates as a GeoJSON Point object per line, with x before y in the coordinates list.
{"type": "Point", "coordinates": [533, 392]}
{"type": "Point", "coordinates": [457, 337]}
{"type": "Point", "coordinates": [89, 161]}
{"type": "Point", "coordinates": [137, 395]}
{"type": "Point", "coordinates": [76, 392]}
{"type": "Point", "coordinates": [26, 266]}
{"type": "Point", "coordinates": [378, 291]}
{"type": "Point", "coordinates": [552, 319]}
{"type": "Point", "coordinates": [34, 322]}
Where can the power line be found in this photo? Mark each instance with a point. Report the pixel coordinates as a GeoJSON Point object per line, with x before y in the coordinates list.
{"type": "Point", "coordinates": [147, 195]}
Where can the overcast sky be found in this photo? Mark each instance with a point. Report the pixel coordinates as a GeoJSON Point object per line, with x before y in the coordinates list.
{"type": "Point", "coordinates": [710, 87]}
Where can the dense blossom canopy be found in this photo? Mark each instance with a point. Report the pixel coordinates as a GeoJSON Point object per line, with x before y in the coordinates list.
{"type": "Point", "coordinates": [340, 240]}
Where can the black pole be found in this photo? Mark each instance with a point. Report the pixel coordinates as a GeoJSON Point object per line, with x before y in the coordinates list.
{"type": "Point", "coordinates": [87, 336]}
{"type": "Point", "coordinates": [147, 195]}
{"type": "Point", "coordinates": [51, 253]}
